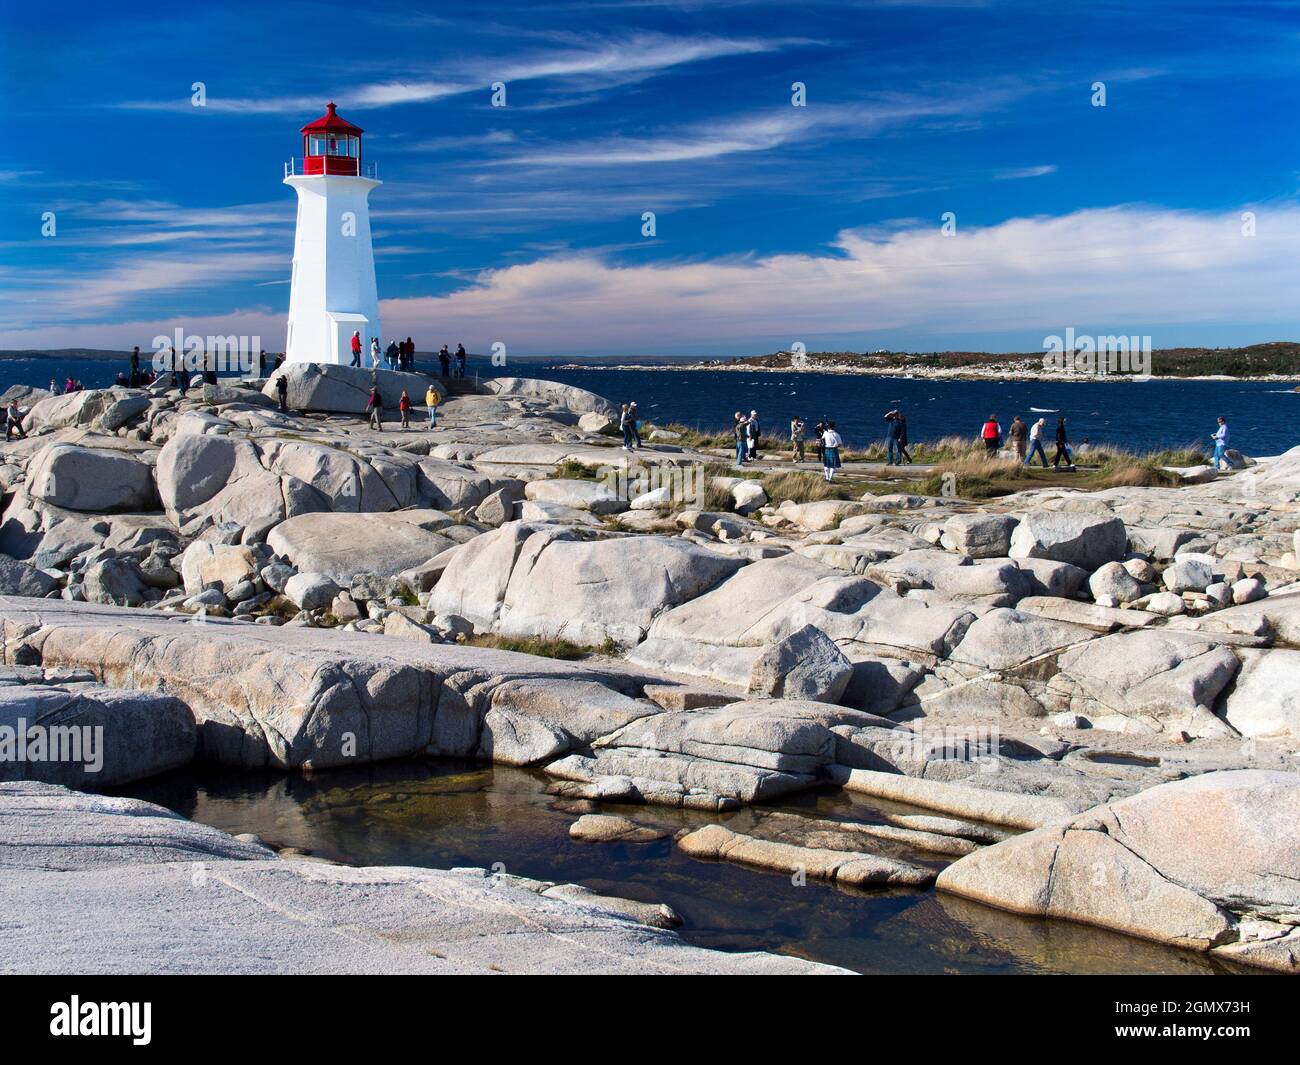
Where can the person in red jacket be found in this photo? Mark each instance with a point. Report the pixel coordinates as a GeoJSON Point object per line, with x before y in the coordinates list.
{"type": "Point", "coordinates": [404, 405]}
{"type": "Point", "coordinates": [356, 348]}
{"type": "Point", "coordinates": [992, 435]}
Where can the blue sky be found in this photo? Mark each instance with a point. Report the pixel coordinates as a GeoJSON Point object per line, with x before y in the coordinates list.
{"type": "Point", "coordinates": [523, 224]}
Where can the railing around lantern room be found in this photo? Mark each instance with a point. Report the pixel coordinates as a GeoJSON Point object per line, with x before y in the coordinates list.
{"type": "Point", "coordinates": [317, 165]}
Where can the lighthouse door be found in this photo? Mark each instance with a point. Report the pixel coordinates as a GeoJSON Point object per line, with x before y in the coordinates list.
{"type": "Point", "coordinates": [342, 326]}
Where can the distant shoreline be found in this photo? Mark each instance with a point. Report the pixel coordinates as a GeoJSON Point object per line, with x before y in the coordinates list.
{"type": "Point", "coordinates": [938, 375]}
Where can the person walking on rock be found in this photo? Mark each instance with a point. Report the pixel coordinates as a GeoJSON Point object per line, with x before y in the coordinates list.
{"type": "Point", "coordinates": [1220, 439]}
{"type": "Point", "coordinates": [410, 356]}
{"type": "Point", "coordinates": [753, 433]}
{"type": "Point", "coordinates": [992, 436]}
{"type": "Point", "coordinates": [460, 360]}
{"type": "Point", "coordinates": [894, 452]}
{"type": "Point", "coordinates": [819, 431]}
{"type": "Point", "coordinates": [625, 425]}
{"type": "Point", "coordinates": [444, 360]}
{"type": "Point", "coordinates": [375, 408]}
{"type": "Point", "coordinates": [404, 409]}
{"type": "Point", "coordinates": [901, 418]}
{"type": "Point", "coordinates": [831, 444]}
{"type": "Point", "coordinates": [742, 447]}
{"type": "Point", "coordinates": [356, 347]}
{"type": "Point", "coordinates": [633, 418]}
{"type": "Point", "coordinates": [798, 430]}
{"type": "Point", "coordinates": [282, 391]}
{"type": "Point", "coordinates": [431, 400]}
{"type": "Point", "coordinates": [374, 353]}
{"type": "Point", "coordinates": [1062, 448]}
{"type": "Point", "coordinates": [1036, 432]}
{"type": "Point", "coordinates": [1018, 434]}
{"type": "Point", "coordinates": [392, 355]}
{"type": "Point", "coordinates": [14, 422]}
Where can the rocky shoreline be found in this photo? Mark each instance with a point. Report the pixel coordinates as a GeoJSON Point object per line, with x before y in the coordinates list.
{"type": "Point", "coordinates": [1052, 682]}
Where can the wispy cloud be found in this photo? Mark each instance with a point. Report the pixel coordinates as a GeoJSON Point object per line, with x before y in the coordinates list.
{"type": "Point", "coordinates": [610, 61]}
{"type": "Point", "coordinates": [1021, 173]}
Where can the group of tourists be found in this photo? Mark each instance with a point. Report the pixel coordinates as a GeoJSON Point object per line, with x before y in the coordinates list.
{"type": "Point", "coordinates": [399, 355]}
{"type": "Point", "coordinates": [748, 431]}
{"type": "Point", "coordinates": [445, 358]}
{"type": "Point", "coordinates": [1027, 441]}
{"type": "Point", "coordinates": [375, 406]}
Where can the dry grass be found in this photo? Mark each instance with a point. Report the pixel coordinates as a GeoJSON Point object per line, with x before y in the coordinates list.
{"type": "Point", "coordinates": [803, 487]}
{"type": "Point", "coordinates": [981, 478]}
{"type": "Point", "coordinates": [541, 646]}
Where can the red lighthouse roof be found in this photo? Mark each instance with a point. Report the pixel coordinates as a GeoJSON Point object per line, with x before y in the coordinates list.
{"type": "Point", "coordinates": [330, 122]}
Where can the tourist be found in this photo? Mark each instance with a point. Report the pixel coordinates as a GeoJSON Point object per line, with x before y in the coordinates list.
{"type": "Point", "coordinates": [1018, 434]}
{"type": "Point", "coordinates": [374, 353]}
{"type": "Point", "coordinates": [279, 360]}
{"type": "Point", "coordinates": [410, 356]}
{"type": "Point", "coordinates": [404, 408]}
{"type": "Point", "coordinates": [992, 435]}
{"type": "Point", "coordinates": [625, 425]}
{"type": "Point", "coordinates": [14, 421]}
{"type": "Point", "coordinates": [392, 355]}
{"type": "Point", "coordinates": [894, 453]}
{"type": "Point", "coordinates": [356, 347]}
{"type": "Point", "coordinates": [261, 363]}
{"type": "Point", "coordinates": [1036, 442]}
{"type": "Point", "coordinates": [634, 417]}
{"type": "Point", "coordinates": [431, 400]}
{"type": "Point", "coordinates": [135, 365]}
{"type": "Point", "coordinates": [69, 386]}
{"type": "Point", "coordinates": [901, 418]}
{"type": "Point", "coordinates": [375, 408]}
{"type": "Point", "coordinates": [54, 387]}
{"type": "Point", "coordinates": [282, 390]}
{"type": "Point", "coordinates": [798, 429]}
{"type": "Point", "coordinates": [1220, 439]}
{"type": "Point", "coordinates": [1062, 447]}
{"type": "Point", "coordinates": [444, 360]}
{"type": "Point", "coordinates": [460, 360]}
{"type": "Point", "coordinates": [738, 430]}
{"type": "Point", "coordinates": [831, 444]}
{"type": "Point", "coordinates": [752, 433]}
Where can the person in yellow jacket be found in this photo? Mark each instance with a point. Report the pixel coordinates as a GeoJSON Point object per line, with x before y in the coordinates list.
{"type": "Point", "coordinates": [431, 399]}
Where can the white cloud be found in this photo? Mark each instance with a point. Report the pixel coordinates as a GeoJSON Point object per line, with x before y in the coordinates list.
{"type": "Point", "coordinates": [1025, 172]}
{"type": "Point", "coordinates": [1116, 270]}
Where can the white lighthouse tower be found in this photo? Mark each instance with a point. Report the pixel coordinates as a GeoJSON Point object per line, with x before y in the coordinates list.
{"type": "Point", "coordinates": [332, 293]}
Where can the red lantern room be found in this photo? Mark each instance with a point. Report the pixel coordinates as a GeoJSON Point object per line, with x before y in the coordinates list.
{"type": "Point", "coordinates": [331, 145]}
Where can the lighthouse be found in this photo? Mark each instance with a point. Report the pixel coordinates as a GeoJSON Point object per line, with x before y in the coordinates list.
{"type": "Point", "coordinates": [332, 292]}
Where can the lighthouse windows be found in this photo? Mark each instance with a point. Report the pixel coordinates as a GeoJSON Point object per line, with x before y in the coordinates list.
{"type": "Point", "coordinates": [320, 144]}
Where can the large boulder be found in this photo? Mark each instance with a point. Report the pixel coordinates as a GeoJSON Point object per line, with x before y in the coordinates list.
{"type": "Point", "coordinates": [979, 535]}
{"type": "Point", "coordinates": [546, 580]}
{"type": "Point", "coordinates": [1083, 540]}
{"type": "Point", "coordinates": [1265, 701]}
{"type": "Point", "coordinates": [805, 665]}
{"type": "Point", "coordinates": [77, 409]}
{"type": "Point", "coordinates": [340, 545]}
{"type": "Point", "coordinates": [204, 563]}
{"type": "Point", "coordinates": [595, 496]}
{"type": "Point", "coordinates": [315, 386]}
{"type": "Point", "coordinates": [18, 578]}
{"type": "Point", "coordinates": [571, 398]}
{"type": "Point", "coordinates": [1211, 863]}
{"type": "Point", "coordinates": [206, 480]}
{"type": "Point", "coordinates": [91, 479]}
{"type": "Point", "coordinates": [116, 582]}
{"type": "Point", "coordinates": [91, 737]}
{"type": "Point", "coordinates": [1152, 680]}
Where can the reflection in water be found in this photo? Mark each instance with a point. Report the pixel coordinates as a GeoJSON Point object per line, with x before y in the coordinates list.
{"type": "Point", "coordinates": [441, 814]}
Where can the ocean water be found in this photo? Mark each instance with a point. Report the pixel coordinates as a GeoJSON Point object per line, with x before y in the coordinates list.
{"type": "Point", "coordinates": [1263, 416]}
